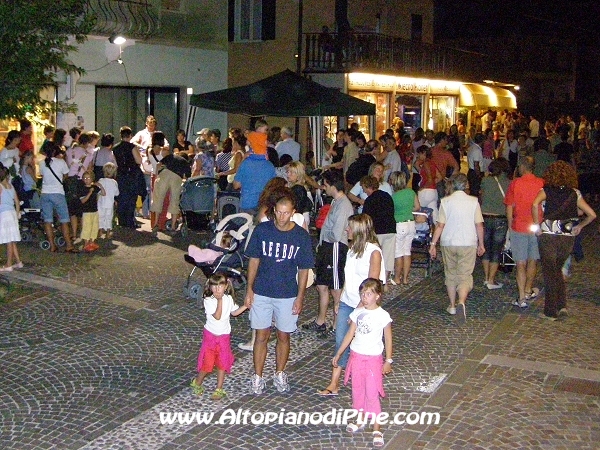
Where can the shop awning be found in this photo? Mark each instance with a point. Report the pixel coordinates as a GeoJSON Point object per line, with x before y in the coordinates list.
{"type": "Point", "coordinates": [481, 97]}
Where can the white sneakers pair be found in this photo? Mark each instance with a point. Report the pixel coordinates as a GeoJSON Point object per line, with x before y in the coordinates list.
{"type": "Point", "coordinates": [280, 381]}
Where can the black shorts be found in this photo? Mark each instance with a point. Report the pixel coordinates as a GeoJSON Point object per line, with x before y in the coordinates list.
{"type": "Point", "coordinates": [75, 207]}
{"type": "Point", "coordinates": [330, 263]}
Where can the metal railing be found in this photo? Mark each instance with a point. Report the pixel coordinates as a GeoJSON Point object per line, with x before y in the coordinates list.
{"type": "Point", "coordinates": [335, 52]}
{"type": "Point", "coordinates": [134, 18]}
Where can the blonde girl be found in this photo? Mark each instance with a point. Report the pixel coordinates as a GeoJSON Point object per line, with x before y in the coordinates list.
{"type": "Point", "coordinates": [216, 338]}
{"type": "Point", "coordinates": [297, 183]}
{"type": "Point", "coordinates": [89, 208]}
{"type": "Point", "coordinates": [9, 221]}
{"type": "Point", "coordinates": [370, 326]}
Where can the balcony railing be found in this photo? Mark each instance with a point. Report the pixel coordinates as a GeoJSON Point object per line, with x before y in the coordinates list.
{"type": "Point", "coordinates": [134, 18]}
{"type": "Point", "coordinates": [335, 52]}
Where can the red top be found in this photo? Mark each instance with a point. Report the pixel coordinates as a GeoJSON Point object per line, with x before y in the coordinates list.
{"type": "Point", "coordinates": [26, 144]}
{"type": "Point", "coordinates": [521, 193]}
{"type": "Point", "coordinates": [427, 172]}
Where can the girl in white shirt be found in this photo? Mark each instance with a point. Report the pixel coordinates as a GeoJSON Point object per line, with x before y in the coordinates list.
{"type": "Point", "coordinates": [369, 323]}
{"type": "Point", "coordinates": [216, 339]}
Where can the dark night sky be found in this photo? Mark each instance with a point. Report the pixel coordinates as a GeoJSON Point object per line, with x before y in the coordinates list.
{"type": "Point", "coordinates": [471, 18]}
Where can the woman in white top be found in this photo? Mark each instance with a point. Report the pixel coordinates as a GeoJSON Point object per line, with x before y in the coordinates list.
{"type": "Point", "coordinates": [53, 171]}
{"type": "Point", "coordinates": [9, 155]}
{"type": "Point", "coordinates": [237, 156]}
{"type": "Point", "coordinates": [364, 261]}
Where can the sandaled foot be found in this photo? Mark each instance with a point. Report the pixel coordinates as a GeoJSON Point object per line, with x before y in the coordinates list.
{"type": "Point", "coordinates": [354, 427]}
{"type": "Point", "coordinates": [533, 294]}
{"type": "Point", "coordinates": [197, 389]}
{"type": "Point", "coordinates": [378, 439]}
{"type": "Point", "coordinates": [219, 394]}
{"type": "Point", "coordinates": [327, 393]}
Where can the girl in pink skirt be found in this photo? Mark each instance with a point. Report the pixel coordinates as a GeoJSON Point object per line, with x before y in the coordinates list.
{"type": "Point", "coordinates": [9, 221]}
{"type": "Point", "coordinates": [369, 323]}
{"type": "Point", "coordinates": [216, 339]}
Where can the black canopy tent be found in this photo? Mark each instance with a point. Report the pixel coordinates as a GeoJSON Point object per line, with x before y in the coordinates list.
{"type": "Point", "coordinates": [286, 94]}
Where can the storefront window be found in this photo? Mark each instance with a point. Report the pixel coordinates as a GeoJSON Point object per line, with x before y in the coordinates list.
{"type": "Point", "coordinates": [409, 109]}
{"type": "Point", "coordinates": [442, 113]}
{"type": "Point", "coordinates": [381, 101]}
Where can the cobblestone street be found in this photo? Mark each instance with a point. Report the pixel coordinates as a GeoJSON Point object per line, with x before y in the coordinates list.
{"type": "Point", "coordinates": [94, 347]}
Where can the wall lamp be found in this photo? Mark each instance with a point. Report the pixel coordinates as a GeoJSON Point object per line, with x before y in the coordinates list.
{"type": "Point", "coordinates": [117, 39]}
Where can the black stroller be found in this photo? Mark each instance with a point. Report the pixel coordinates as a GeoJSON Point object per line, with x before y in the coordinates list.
{"type": "Point", "coordinates": [420, 244]}
{"type": "Point", "coordinates": [232, 262]}
{"type": "Point", "coordinates": [197, 203]}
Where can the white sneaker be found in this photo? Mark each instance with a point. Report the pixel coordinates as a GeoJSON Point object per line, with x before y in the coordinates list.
{"type": "Point", "coordinates": [494, 286]}
{"type": "Point", "coordinates": [451, 310]}
{"type": "Point", "coordinates": [247, 346]}
{"type": "Point", "coordinates": [257, 384]}
{"type": "Point", "coordinates": [520, 303]}
{"type": "Point", "coordinates": [281, 382]}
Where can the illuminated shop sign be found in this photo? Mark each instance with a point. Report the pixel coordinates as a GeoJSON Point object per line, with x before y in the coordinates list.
{"type": "Point", "coordinates": [402, 84]}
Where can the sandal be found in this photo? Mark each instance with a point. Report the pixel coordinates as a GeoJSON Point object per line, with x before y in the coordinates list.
{"type": "Point", "coordinates": [219, 394]}
{"type": "Point", "coordinates": [198, 389]}
{"type": "Point", "coordinates": [533, 294]}
{"type": "Point", "coordinates": [327, 393]}
{"type": "Point", "coordinates": [378, 439]}
{"type": "Point", "coordinates": [354, 427]}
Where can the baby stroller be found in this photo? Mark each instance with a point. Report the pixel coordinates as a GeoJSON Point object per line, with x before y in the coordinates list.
{"type": "Point", "coordinates": [196, 204]}
{"type": "Point", "coordinates": [232, 262]}
{"type": "Point", "coordinates": [31, 227]}
{"type": "Point", "coordinates": [420, 244]}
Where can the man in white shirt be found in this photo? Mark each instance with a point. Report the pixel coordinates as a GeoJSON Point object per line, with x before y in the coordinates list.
{"type": "Point", "coordinates": [287, 145]}
{"type": "Point", "coordinates": [143, 138]}
{"type": "Point", "coordinates": [534, 127]}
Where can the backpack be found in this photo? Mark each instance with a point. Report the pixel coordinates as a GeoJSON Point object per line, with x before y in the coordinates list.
{"type": "Point", "coordinates": [322, 216]}
{"type": "Point", "coordinates": [359, 169]}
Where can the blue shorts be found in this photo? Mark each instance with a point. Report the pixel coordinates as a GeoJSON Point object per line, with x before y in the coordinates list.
{"type": "Point", "coordinates": [264, 309]}
{"type": "Point", "coordinates": [524, 246]}
{"type": "Point", "coordinates": [54, 202]}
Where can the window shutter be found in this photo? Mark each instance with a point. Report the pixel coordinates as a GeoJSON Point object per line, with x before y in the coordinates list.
{"type": "Point", "coordinates": [268, 19]}
{"type": "Point", "coordinates": [231, 21]}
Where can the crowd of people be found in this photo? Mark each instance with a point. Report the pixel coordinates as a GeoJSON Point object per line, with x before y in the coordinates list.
{"type": "Point", "coordinates": [522, 184]}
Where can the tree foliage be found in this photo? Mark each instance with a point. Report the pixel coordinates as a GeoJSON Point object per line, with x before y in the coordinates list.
{"type": "Point", "coordinates": [36, 37]}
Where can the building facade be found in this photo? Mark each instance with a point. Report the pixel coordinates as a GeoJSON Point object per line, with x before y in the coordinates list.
{"type": "Point", "coordinates": [173, 48]}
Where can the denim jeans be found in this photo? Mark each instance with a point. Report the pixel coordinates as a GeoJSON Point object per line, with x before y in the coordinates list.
{"type": "Point", "coordinates": [341, 329]}
{"type": "Point", "coordinates": [494, 236]}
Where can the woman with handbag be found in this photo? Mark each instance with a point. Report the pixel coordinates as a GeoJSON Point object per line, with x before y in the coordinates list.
{"type": "Point", "coordinates": [495, 223]}
{"type": "Point", "coordinates": [556, 232]}
{"type": "Point", "coordinates": [54, 171]}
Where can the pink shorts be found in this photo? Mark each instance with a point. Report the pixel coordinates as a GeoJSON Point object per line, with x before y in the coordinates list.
{"type": "Point", "coordinates": [215, 352]}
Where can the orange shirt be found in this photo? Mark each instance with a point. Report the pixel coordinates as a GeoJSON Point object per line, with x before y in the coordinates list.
{"type": "Point", "coordinates": [258, 142]}
{"type": "Point", "coordinates": [521, 193]}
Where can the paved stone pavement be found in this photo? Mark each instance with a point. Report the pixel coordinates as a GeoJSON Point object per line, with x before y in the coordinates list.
{"type": "Point", "coordinates": [94, 347]}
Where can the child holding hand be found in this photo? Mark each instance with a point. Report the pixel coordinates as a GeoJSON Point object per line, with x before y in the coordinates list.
{"type": "Point", "coordinates": [369, 323]}
{"type": "Point", "coordinates": [216, 338]}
